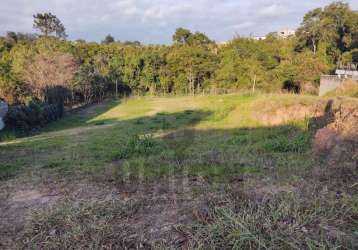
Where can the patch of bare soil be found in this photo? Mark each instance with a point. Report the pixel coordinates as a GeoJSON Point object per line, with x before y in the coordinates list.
{"type": "Point", "coordinates": [164, 206]}
{"type": "Point", "coordinates": [273, 116]}
{"type": "Point", "coordinates": [79, 130]}
{"type": "Point", "coordinates": [337, 140]}
{"type": "Point", "coordinates": [16, 207]}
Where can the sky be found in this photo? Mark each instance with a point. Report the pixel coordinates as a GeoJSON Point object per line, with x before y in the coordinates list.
{"type": "Point", "coordinates": [155, 21]}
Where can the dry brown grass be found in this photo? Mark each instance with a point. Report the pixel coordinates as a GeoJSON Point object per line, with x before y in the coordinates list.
{"type": "Point", "coordinates": [347, 88]}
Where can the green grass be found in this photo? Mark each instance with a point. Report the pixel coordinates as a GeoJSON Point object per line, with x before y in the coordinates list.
{"type": "Point", "coordinates": [218, 140]}
{"type": "Point", "coordinates": [7, 136]}
{"type": "Point", "coordinates": [7, 171]}
{"type": "Point", "coordinates": [204, 135]}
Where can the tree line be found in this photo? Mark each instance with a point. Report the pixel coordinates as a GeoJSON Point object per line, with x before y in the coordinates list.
{"type": "Point", "coordinates": [48, 68]}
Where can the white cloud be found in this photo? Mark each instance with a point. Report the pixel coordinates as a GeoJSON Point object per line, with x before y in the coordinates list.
{"type": "Point", "coordinates": [154, 21]}
{"type": "Point", "coordinates": [243, 25]}
{"type": "Point", "coordinates": [273, 10]}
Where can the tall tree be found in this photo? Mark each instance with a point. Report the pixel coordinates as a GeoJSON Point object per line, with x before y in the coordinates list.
{"type": "Point", "coordinates": [181, 36]}
{"type": "Point", "coordinates": [108, 39]}
{"type": "Point", "coordinates": [49, 74]}
{"type": "Point", "coordinates": [199, 39]}
{"type": "Point", "coordinates": [186, 37]}
{"type": "Point", "coordinates": [333, 30]}
{"type": "Point", "coordinates": [47, 24]}
{"type": "Point", "coordinates": [310, 31]}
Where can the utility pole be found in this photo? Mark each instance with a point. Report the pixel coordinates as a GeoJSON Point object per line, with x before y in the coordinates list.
{"type": "Point", "coordinates": [253, 85]}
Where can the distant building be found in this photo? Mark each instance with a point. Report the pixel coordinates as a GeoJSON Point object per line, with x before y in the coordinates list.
{"type": "Point", "coordinates": [223, 43]}
{"type": "Point", "coordinates": [343, 72]}
{"type": "Point", "coordinates": [259, 38]}
{"type": "Point", "coordinates": [286, 33]}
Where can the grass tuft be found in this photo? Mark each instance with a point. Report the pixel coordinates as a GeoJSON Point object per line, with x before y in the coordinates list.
{"type": "Point", "coordinates": [284, 221]}
{"type": "Point", "coordinates": [139, 145]}
{"type": "Point", "coordinates": [81, 226]}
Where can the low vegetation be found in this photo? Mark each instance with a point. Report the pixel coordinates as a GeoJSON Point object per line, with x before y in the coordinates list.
{"type": "Point", "coordinates": [25, 119]}
{"type": "Point", "coordinates": [172, 172]}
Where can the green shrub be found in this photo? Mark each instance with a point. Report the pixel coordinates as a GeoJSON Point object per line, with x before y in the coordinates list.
{"type": "Point", "coordinates": [23, 119]}
{"type": "Point", "coordinates": [139, 145]}
{"type": "Point", "coordinates": [282, 143]}
{"type": "Point", "coordinates": [7, 136]}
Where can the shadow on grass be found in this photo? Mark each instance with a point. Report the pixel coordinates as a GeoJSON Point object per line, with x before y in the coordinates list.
{"type": "Point", "coordinates": [167, 145]}
{"type": "Point", "coordinates": [217, 154]}
{"type": "Point", "coordinates": [81, 147]}
{"type": "Point", "coordinates": [82, 116]}
{"type": "Point", "coordinates": [162, 145]}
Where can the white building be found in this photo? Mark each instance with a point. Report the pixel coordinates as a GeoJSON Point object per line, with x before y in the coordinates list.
{"type": "Point", "coordinates": [286, 33]}
{"type": "Point", "coordinates": [343, 72]}
{"type": "Point", "coordinates": [280, 34]}
{"type": "Point", "coordinates": [258, 38]}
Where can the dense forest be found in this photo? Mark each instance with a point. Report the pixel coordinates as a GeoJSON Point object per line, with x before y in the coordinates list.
{"type": "Point", "coordinates": [48, 68]}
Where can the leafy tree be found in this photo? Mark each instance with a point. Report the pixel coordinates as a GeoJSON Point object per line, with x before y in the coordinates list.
{"type": "Point", "coordinates": [10, 38]}
{"type": "Point", "coordinates": [116, 66]}
{"type": "Point", "coordinates": [135, 43]}
{"type": "Point", "coordinates": [181, 36]}
{"type": "Point", "coordinates": [11, 89]}
{"type": "Point", "coordinates": [198, 39]}
{"type": "Point", "coordinates": [47, 23]}
{"type": "Point", "coordinates": [32, 65]}
{"type": "Point", "coordinates": [186, 37]}
{"type": "Point", "coordinates": [84, 82]}
{"type": "Point", "coordinates": [191, 67]}
{"type": "Point", "coordinates": [108, 39]}
{"type": "Point", "coordinates": [332, 29]}
{"type": "Point", "coordinates": [242, 65]}
{"type": "Point", "coordinates": [350, 56]}
{"type": "Point", "coordinates": [48, 72]}
{"type": "Point", "coordinates": [310, 31]}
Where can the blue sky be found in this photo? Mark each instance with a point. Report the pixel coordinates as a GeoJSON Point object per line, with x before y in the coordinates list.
{"type": "Point", "coordinates": [154, 21]}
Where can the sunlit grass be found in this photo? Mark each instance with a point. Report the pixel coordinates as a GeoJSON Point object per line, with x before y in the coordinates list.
{"type": "Point", "coordinates": [214, 136]}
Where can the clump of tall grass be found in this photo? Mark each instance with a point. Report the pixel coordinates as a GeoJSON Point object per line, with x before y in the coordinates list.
{"type": "Point", "coordinates": [285, 221]}
{"type": "Point", "coordinates": [81, 226]}
{"type": "Point", "coordinates": [138, 145]}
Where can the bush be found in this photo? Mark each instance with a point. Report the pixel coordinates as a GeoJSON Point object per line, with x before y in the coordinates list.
{"type": "Point", "coordinates": [139, 145]}
{"type": "Point", "coordinates": [22, 119]}
{"type": "Point", "coordinates": [283, 144]}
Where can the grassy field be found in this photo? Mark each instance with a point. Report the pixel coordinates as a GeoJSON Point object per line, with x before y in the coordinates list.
{"type": "Point", "coordinates": [201, 172]}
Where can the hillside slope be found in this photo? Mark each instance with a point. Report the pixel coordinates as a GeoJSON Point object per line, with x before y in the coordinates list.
{"type": "Point", "coordinates": [207, 171]}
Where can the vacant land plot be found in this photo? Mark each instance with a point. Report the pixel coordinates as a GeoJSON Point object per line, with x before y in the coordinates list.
{"type": "Point", "coordinates": [200, 172]}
